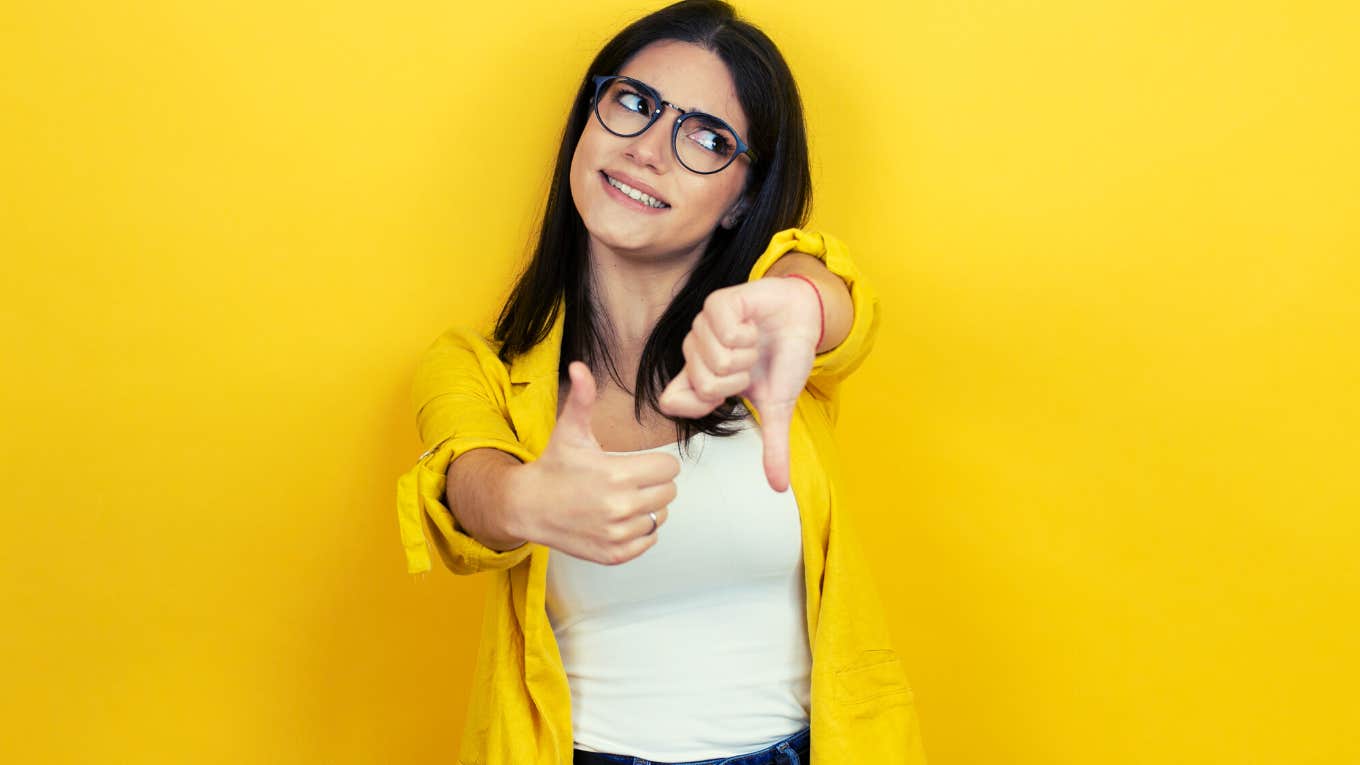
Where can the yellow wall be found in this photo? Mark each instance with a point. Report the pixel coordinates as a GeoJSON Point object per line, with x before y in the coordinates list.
{"type": "Point", "coordinates": [1107, 441]}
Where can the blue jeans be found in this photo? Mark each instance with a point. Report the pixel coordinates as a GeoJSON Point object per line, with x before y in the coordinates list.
{"type": "Point", "coordinates": [793, 750]}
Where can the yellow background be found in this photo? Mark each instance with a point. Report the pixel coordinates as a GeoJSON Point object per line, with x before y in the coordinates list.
{"type": "Point", "coordinates": [1106, 444]}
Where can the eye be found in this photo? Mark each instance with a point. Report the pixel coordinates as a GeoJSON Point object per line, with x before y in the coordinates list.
{"type": "Point", "coordinates": [714, 140]}
{"type": "Point", "coordinates": [633, 101]}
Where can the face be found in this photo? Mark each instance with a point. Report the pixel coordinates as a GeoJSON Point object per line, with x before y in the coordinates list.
{"type": "Point", "coordinates": [694, 79]}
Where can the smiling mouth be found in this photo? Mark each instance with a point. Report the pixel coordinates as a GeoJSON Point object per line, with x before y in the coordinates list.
{"type": "Point", "coordinates": [634, 194]}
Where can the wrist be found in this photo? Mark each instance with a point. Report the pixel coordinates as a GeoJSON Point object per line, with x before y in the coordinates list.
{"type": "Point", "coordinates": [821, 306]}
{"type": "Point", "coordinates": [515, 488]}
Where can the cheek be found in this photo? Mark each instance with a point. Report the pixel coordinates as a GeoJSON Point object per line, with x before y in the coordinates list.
{"type": "Point", "coordinates": [580, 172]}
{"type": "Point", "coordinates": [715, 197]}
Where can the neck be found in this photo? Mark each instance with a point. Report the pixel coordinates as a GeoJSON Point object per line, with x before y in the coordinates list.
{"type": "Point", "coordinates": [631, 292]}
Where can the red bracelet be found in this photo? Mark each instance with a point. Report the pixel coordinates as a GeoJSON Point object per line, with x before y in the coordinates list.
{"type": "Point", "coordinates": [821, 307]}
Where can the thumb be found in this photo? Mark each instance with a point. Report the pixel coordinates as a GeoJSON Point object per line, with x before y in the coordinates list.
{"type": "Point", "coordinates": [574, 422]}
{"type": "Point", "coordinates": [774, 430]}
{"type": "Point", "coordinates": [680, 400]}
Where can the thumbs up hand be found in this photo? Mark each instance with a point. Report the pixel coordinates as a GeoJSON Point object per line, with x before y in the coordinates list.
{"type": "Point", "coordinates": [589, 504]}
{"type": "Point", "coordinates": [758, 340]}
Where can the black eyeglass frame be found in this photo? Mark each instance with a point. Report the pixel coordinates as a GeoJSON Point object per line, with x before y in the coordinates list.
{"type": "Point", "coordinates": [601, 79]}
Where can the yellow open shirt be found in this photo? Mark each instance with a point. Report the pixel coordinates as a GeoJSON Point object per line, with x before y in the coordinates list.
{"type": "Point", "coordinates": [863, 708]}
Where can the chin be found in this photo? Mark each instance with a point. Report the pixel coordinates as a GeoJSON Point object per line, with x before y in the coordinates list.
{"type": "Point", "coordinates": [624, 240]}
{"type": "Point", "coordinates": [620, 234]}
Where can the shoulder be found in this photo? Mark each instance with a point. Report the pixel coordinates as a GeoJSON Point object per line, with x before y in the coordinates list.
{"type": "Point", "coordinates": [460, 356]}
{"type": "Point", "coordinates": [463, 340]}
{"type": "Point", "coordinates": [818, 244]}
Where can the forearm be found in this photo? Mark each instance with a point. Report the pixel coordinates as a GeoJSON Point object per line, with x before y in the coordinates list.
{"type": "Point", "coordinates": [479, 494]}
{"type": "Point", "coordinates": [838, 307]}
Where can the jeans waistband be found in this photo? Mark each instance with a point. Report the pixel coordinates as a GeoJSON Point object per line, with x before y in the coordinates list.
{"type": "Point", "coordinates": [782, 752]}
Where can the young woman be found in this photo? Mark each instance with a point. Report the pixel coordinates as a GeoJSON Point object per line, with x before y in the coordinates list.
{"type": "Point", "coordinates": [667, 366]}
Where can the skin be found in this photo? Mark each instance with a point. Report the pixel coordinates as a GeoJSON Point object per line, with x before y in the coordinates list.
{"type": "Point", "coordinates": [640, 258]}
{"type": "Point", "coordinates": [757, 339]}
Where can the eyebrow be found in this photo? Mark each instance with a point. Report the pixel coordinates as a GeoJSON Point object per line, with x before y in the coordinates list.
{"type": "Point", "coordinates": [683, 109]}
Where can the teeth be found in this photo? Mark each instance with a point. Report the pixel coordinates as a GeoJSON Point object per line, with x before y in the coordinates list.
{"type": "Point", "coordinates": [650, 201]}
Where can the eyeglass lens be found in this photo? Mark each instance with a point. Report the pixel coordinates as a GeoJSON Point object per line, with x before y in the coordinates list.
{"type": "Point", "coordinates": [702, 143]}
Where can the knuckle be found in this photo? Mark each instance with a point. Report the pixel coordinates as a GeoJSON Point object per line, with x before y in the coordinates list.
{"type": "Point", "coordinates": [708, 389]}
{"type": "Point", "coordinates": [724, 334]}
{"type": "Point", "coordinates": [728, 363]}
{"type": "Point", "coordinates": [744, 335]}
{"type": "Point", "coordinates": [690, 350]}
{"type": "Point", "coordinates": [617, 507]}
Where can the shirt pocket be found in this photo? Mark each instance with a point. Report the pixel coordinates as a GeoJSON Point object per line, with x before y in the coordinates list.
{"type": "Point", "coordinates": [875, 674]}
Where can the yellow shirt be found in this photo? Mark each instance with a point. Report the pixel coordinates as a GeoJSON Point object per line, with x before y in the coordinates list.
{"type": "Point", "coordinates": [863, 708]}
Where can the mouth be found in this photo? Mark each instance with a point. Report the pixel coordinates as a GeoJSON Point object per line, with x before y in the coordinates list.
{"type": "Point", "coordinates": [631, 194]}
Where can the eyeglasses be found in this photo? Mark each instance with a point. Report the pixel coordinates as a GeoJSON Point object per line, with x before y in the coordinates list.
{"type": "Point", "coordinates": [627, 107]}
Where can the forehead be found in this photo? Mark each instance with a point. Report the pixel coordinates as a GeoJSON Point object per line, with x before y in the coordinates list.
{"type": "Point", "coordinates": [690, 77]}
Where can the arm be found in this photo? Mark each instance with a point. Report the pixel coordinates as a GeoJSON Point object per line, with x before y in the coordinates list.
{"type": "Point", "coordinates": [839, 311]}
{"type": "Point", "coordinates": [837, 356]}
{"type": "Point", "coordinates": [480, 487]}
{"type": "Point", "coordinates": [756, 340]}
{"type": "Point", "coordinates": [458, 393]}
{"type": "Point", "coordinates": [573, 497]}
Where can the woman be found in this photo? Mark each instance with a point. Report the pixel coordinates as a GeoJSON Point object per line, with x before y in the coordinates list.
{"type": "Point", "coordinates": [654, 358]}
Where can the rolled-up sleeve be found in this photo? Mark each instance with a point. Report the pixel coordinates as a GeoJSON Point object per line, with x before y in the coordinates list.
{"type": "Point", "coordinates": [832, 366]}
{"type": "Point", "coordinates": [459, 398]}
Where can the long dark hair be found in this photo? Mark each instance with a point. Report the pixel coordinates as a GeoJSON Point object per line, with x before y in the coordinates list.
{"type": "Point", "coordinates": [779, 190]}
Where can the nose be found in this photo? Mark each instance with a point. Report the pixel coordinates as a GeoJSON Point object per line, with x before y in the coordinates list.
{"type": "Point", "coordinates": [652, 148]}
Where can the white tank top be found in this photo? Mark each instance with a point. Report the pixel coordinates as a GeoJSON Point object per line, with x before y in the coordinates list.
{"type": "Point", "coordinates": [697, 648]}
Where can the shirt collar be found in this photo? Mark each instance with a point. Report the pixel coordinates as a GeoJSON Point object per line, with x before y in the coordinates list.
{"type": "Point", "coordinates": [543, 359]}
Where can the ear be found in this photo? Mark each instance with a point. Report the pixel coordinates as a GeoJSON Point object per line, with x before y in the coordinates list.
{"type": "Point", "coordinates": [733, 216]}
